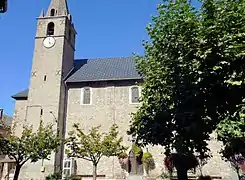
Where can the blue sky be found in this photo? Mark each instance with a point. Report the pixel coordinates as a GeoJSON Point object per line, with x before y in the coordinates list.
{"type": "Point", "coordinates": [106, 28]}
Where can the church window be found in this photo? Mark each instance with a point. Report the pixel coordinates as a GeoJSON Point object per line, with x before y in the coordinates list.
{"type": "Point", "coordinates": [134, 94]}
{"type": "Point", "coordinates": [50, 29]}
{"type": "Point", "coordinates": [52, 12]}
{"type": "Point", "coordinates": [41, 112]}
{"type": "Point", "coordinates": [86, 95]}
{"type": "Point", "coordinates": [69, 167]}
{"type": "Point", "coordinates": [69, 35]}
{"type": "Point", "coordinates": [45, 78]}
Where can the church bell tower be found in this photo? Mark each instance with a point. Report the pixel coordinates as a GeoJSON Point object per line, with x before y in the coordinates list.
{"type": "Point", "coordinates": [52, 60]}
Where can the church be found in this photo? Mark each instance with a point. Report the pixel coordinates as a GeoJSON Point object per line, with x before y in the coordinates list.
{"type": "Point", "coordinates": [91, 92]}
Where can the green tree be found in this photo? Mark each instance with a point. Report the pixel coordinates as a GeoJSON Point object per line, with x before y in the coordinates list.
{"type": "Point", "coordinates": [94, 145]}
{"type": "Point", "coordinates": [193, 75]}
{"type": "Point", "coordinates": [30, 145]}
{"type": "Point", "coordinates": [231, 132]}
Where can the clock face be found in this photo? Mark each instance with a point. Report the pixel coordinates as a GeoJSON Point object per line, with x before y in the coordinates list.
{"type": "Point", "coordinates": [49, 42]}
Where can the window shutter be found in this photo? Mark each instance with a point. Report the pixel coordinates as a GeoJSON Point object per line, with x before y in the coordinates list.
{"type": "Point", "coordinates": [86, 96]}
{"type": "Point", "coordinates": [135, 94]}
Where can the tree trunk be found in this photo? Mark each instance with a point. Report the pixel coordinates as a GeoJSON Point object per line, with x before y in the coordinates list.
{"type": "Point", "coordinates": [182, 174]}
{"type": "Point", "coordinates": [17, 172]}
{"type": "Point", "coordinates": [94, 171]}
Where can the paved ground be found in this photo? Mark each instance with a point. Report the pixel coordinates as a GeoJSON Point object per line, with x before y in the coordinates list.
{"type": "Point", "coordinates": [134, 177]}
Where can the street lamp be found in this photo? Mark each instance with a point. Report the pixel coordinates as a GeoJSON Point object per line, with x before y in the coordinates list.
{"type": "Point", "coordinates": [3, 6]}
{"type": "Point", "coordinates": [1, 114]}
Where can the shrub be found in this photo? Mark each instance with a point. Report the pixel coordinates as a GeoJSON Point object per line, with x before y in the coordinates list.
{"type": "Point", "coordinates": [148, 161]}
{"type": "Point", "coordinates": [55, 176]}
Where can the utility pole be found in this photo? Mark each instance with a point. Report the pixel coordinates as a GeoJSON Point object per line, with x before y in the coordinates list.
{"type": "Point", "coordinates": [3, 6]}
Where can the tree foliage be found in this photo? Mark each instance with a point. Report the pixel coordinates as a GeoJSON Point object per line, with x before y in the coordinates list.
{"type": "Point", "coordinates": [231, 131]}
{"type": "Point", "coordinates": [94, 145]}
{"type": "Point", "coordinates": [193, 72]}
{"type": "Point", "coordinates": [30, 145]}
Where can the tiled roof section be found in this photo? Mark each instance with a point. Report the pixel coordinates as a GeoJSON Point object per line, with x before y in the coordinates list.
{"type": "Point", "coordinates": [103, 69]}
{"type": "Point", "coordinates": [21, 95]}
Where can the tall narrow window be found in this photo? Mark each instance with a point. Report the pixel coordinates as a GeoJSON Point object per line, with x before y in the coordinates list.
{"type": "Point", "coordinates": [135, 94]}
{"type": "Point", "coordinates": [50, 29]}
{"type": "Point", "coordinates": [45, 78]}
{"type": "Point", "coordinates": [86, 96]}
{"type": "Point", "coordinates": [69, 35]}
{"type": "Point", "coordinates": [52, 12]}
{"type": "Point", "coordinates": [41, 112]}
{"type": "Point", "coordinates": [67, 167]}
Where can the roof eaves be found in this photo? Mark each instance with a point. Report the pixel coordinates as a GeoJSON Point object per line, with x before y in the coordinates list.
{"type": "Point", "coordinates": [23, 95]}
{"type": "Point", "coordinates": [111, 79]}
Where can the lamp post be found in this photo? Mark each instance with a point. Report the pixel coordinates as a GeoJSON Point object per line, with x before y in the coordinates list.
{"type": "Point", "coordinates": [1, 114]}
{"type": "Point", "coordinates": [3, 6]}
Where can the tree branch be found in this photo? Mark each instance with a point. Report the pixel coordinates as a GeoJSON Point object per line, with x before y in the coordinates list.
{"type": "Point", "coordinates": [87, 159]}
{"type": "Point", "coordinates": [24, 161]}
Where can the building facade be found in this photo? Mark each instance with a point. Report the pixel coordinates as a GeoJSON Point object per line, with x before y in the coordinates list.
{"type": "Point", "coordinates": [91, 92]}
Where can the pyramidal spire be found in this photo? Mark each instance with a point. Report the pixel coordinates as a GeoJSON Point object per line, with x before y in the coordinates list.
{"type": "Point", "coordinates": [42, 13]}
{"type": "Point", "coordinates": [57, 8]}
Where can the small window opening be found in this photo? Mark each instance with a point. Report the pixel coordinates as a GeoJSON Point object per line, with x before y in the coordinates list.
{"type": "Point", "coordinates": [50, 29]}
{"type": "Point", "coordinates": [41, 112]}
{"type": "Point", "coordinates": [69, 35]}
{"type": "Point", "coordinates": [135, 94]}
{"type": "Point", "coordinates": [86, 96]}
{"type": "Point", "coordinates": [45, 78]}
{"type": "Point", "coordinates": [52, 12]}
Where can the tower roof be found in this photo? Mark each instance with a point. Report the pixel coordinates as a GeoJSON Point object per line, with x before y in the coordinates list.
{"type": "Point", "coordinates": [60, 7]}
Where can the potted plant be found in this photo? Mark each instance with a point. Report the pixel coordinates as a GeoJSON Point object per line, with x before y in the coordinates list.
{"type": "Point", "coordinates": [168, 163]}
{"type": "Point", "coordinates": [148, 162]}
{"type": "Point", "coordinates": [123, 160]}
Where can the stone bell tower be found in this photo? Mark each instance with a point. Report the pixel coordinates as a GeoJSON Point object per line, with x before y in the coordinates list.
{"type": "Point", "coordinates": [52, 60]}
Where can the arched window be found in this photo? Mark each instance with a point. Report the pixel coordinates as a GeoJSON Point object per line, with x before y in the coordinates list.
{"type": "Point", "coordinates": [52, 12]}
{"type": "Point", "coordinates": [50, 29]}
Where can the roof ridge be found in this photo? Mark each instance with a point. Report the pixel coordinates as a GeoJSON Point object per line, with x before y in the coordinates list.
{"type": "Point", "coordinates": [119, 57]}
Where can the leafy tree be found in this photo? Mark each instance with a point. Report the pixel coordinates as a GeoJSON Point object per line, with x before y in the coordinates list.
{"type": "Point", "coordinates": [231, 132]}
{"type": "Point", "coordinates": [193, 72]}
{"type": "Point", "coordinates": [30, 145]}
{"type": "Point", "coordinates": [94, 145]}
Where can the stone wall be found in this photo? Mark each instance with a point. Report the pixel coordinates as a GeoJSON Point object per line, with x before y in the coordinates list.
{"type": "Point", "coordinates": [110, 104]}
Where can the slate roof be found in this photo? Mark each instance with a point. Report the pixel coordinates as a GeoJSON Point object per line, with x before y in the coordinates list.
{"type": "Point", "coordinates": [99, 69]}
{"type": "Point", "coordinates": [104, 69]}
{"type": "Point", "coordinates": [21, 95]}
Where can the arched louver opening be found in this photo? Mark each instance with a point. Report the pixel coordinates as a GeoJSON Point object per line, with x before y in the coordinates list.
{"type": "Point", "coordinates": [52, 12]}
{"type": "Point", "coordinates": [50, 29]}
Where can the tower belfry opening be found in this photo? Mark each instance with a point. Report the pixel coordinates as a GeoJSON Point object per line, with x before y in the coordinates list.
{"type": "Point", "coordinates": [50, 29]}
{"type": "Point", "coordinates": [52, 12]}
